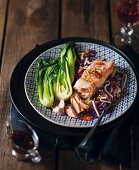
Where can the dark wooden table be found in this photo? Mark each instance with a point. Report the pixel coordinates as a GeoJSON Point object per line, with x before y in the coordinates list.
{"type": "Point", "coordinates": [25, 23]}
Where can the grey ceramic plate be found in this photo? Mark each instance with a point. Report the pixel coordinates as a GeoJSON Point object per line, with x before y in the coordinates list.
{"type": "Point", "coordinates": [103, 52]}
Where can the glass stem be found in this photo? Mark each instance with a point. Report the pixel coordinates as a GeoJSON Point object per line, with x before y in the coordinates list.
{"type": "Point", "coordinates": [126, 33]}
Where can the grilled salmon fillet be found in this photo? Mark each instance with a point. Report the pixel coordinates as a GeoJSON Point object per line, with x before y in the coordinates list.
{"type": "Point", "coordinates": [78, 104]}
{"type": "Point", "coordinates": [93, 77]}
{"type": "Point", "coordinates": [70, 111]}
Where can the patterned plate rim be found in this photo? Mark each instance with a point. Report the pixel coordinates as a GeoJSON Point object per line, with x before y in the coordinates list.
{"type": "Point", "coordinates": [77, 126]}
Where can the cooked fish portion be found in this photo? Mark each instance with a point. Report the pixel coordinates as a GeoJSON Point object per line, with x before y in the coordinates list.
{"type": "Point", "coordinates": [78, 104]}
{"type": "Point", "coordinates": [93, 78]}
{"type": "Point", "coordinates": [69, 110]}
{"type": "Point", "coordinates": [85, 88]}
{"type": "Point", "coordinates": [75, 101]}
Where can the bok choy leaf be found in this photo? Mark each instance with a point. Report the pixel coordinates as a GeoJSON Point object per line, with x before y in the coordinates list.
{"type": "Point", "coordinates": [55, 76]}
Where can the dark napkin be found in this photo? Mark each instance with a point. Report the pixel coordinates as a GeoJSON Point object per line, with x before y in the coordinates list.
{"type": "Point", "coordinates": [114, 143]}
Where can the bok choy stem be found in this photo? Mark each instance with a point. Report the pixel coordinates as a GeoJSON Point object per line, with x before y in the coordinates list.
{"type": "Point", "coordinates": [56, 75]}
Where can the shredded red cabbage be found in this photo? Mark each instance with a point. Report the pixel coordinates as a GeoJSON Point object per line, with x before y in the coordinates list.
{"type": "Point", "coordinates": [114, 88]}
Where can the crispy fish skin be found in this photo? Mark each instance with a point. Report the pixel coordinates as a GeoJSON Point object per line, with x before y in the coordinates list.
{"type": "Point", "coordinates": [93, 78]}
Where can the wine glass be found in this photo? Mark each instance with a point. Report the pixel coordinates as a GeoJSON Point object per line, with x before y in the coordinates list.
{"type": "Point", "coordinates": [127, 11]}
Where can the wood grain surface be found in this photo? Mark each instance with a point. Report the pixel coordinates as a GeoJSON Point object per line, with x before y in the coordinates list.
{"type": "Point", "coordinates": [3, 10]}
{"type": "Point", "coordinates": [3, 14]}
{"type": "Point", "coordinates": [29, 22]}
{"type": "Point", "coordinates": [25, 23]}
{"type": "Point", "coordinates": [85, 19]}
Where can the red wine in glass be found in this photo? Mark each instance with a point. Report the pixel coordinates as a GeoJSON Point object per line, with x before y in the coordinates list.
{"type": "Point", "coordinates": [127, 11]}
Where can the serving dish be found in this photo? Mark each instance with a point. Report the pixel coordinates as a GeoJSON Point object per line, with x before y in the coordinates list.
{"type": "Point", "coordinates": [44, 119]}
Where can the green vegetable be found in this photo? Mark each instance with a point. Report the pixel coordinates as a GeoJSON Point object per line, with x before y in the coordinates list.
{"type": "Point", "coordinates": [88, 101]}
{"type": "Point", "coordinates": [48, 96]}
{"type": "Point", "coordinates": [39, 78]}
{"type": "Point", "coordinates": [46, 74]}
{"type": "Point", "coordinates": [56, 75]}
{"type": "Point", "coordinates": [69, 53]}
{"type": "Point", "coordinates": [114, 72]}
{"type": "Point", "coordinates": [71, 58]}
{"type": "Point", "coordinates": [63, 85]}
{"type": "Point", "coordinates": [43, 63]}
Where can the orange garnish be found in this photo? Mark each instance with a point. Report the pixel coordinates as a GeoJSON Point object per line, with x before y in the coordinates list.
{"type": "Point", "coordinates": [80, 70]}
{"type": "Point", "coordinates": [87, 118]}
